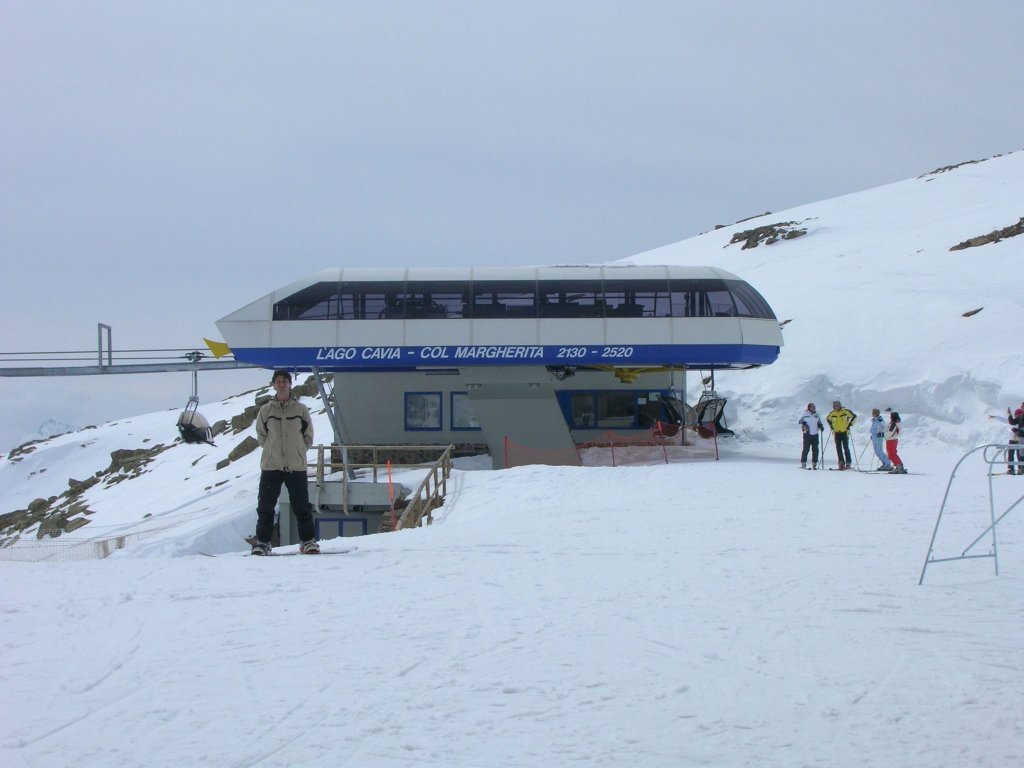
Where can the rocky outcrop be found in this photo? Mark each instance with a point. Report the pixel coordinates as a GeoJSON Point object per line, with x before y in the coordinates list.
{"type": "Point", "coordinates": [768, 234]}
{"type": "Point", "coordinates": [130, 462]}
{"type": "Point", "coordinates": [57, 515]}
{"type": "Point", "coordinates": [948, 168]}
{"type": "Point", "coordinates": [242, 421]}
{"type": "Point", "coordinates": [68, 511]}
{"type": "Point", "coordinates": [54, 516]}
{"type": "Point", "coordinates": [992, 237]}
{"type": "Point", "coordinates": [308, 388]}
{"type": "Point", "coordinates": [244, 448]}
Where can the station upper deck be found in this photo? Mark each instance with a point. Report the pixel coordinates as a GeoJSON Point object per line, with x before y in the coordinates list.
{"type": "Point", "coordinates": [404, 318]}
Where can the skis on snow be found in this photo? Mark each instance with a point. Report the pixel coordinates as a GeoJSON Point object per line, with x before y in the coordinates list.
{"type": "Point", "coordinates": [272, 553]}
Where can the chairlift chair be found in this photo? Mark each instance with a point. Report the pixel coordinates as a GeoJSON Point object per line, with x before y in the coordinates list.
{"type": "Point", "coordinates": [192, 425]}
{"type": "Point", "coordinates": [710, 409]}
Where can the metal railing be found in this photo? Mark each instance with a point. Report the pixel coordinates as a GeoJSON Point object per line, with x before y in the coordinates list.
{"type": "Point", "coordinates": [428, 495]}
{"type": "Point", "coordinates": [992, 455]}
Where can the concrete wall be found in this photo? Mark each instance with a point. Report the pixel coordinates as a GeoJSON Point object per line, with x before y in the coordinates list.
{"type": "Point", "coordinates": [515, 401]}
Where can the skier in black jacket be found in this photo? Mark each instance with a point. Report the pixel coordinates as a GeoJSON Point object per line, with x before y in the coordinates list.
{"type": "Point", "coordinates": [1015, 455]}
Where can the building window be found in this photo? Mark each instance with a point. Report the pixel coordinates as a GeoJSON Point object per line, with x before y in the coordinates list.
{"type": "Point", "coordinates": [581, 405]}
{"type": "Point", "coordinates": [482, 299]}
{"type": "Point", "coordinates": [749, 303]}
{"type": "Point", "coordinates": [616, 410]}
{"type": "Point", "coordinates": [637, 298]}
{"type": "Point", "coordinates": [369, 301]}
{"type": "Point", "coordinates": [463, 413]}
{"type": "Point", "coordinates": [500, 299]}
{"type": "Point", "coordinates": [603, 409]}
{"type": "Point", "coordinates": [422, 410]}
{"type": "Point", "coordinates": [576, 298]}
{"type": "Point", "coordinates": [317, 302]}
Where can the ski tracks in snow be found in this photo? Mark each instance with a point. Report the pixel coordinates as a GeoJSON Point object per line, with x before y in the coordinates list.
{"type": "Point", "coordinates": [664, 626]}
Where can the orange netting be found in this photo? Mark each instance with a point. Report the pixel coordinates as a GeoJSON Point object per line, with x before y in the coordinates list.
{"type": "Point", "coordinates": [662, 444]}
{"type": "Point", "coordinates": [518, 455]}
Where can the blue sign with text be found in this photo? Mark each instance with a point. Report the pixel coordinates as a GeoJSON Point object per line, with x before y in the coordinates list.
{"type": "Point", "coordinates": [375, 358]}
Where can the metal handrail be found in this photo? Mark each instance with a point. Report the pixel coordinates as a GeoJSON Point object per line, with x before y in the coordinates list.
{"type": "Point", "coordinates": [992, 454]}
{"type": "Point", "coordinates": [442, 464]}
{"type": "Point", "coordinates": [426, 499]}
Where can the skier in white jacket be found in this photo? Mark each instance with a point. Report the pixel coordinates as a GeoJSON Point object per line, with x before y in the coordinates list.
{"type": "Point", "coordinates": [811, 426]}
{"type": "Point", "coordinates": [876, 428]}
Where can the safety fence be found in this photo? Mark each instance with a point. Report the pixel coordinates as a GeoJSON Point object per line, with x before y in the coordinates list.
{"type": "Point", "coordinates": [69, 548]}
{"type": "Point", "coordinates": [344, 462]}
{"type": "Point", "coordinates": [662, 444]}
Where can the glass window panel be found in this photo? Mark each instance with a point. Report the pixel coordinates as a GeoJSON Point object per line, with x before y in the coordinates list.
{"type": "Point", "coordinates": [422, 410]}
{"type": "Point", "coordinates": [446, 299]}
{"type": "Point", "coordinates": [701, 298]}
{"type": "Point", "coordinates": [571, 298]}
{"type": "Point", "coordinates": [372, 300]}
{"type": "Point", "coordinates": [463, 412]}
{"type": "Point", "coordinates": [721, 303]}
{"type": "Point", "coordinates": [504, 298]}
{"type": "Point", "coordinates": [749, 303]}
{"type": "Point", "coordinates": [317, 302]}
{"type": "Point", "coordinates": [582, 409]}
{"type": "Point", "coordinates": [687, 298]}
{"type": "Point", "coordinates": [616, 409]}
{"type": "Point", "coordinates": [637, 298]}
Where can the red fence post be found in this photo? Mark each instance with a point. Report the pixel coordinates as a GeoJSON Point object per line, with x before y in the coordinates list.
{"type": "Point", "coordinates": [391, 499]}
{"type": "Point", "coordinates": [661, 435]}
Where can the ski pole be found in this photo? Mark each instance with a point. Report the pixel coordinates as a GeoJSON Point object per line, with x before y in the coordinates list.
{"type": "Point", "coordinates": [869, 442]}
{"type": "Point", "coordinates": [862, 452]}
{"type": "Point", "coordinates": [827, 438]}
{"type": "Point", "coordinates": [853, 450]}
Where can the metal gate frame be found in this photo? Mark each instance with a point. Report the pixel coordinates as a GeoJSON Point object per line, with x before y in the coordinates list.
{"type": "Point", "coordinates": [991, 454]}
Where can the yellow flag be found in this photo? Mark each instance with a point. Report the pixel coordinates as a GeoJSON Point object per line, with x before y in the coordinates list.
{"type": "Point", "coordinates": [219, 348]}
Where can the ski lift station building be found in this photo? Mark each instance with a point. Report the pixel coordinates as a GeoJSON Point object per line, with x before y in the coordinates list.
{"type": "Point", "coordinates": [547, 357]}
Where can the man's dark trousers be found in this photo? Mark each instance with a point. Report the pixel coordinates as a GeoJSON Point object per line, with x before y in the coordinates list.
{"type": "Point", "coordinates": [843, 448]}
{"type": "Point", "coordinates": [271, 481]}
{"type": "Point", "coordinates": [810, 444]}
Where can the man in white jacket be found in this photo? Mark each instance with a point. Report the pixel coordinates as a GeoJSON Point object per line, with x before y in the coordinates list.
{"type": "Point", "coordinates": [285, 430]}
{"type": "Point", "coordinates": [811, 426]}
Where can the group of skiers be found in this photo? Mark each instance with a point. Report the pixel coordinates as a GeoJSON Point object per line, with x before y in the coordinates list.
{"type": "Point", "coordinates": [840, 421]}
{"type": "Point", "coordinates": [885, 437]}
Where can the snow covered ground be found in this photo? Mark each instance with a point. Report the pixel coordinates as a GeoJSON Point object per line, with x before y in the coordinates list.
{"type": "Point", "coordinates": [732, 613]}
{"type": "Point", "coordinates": [739, 613]}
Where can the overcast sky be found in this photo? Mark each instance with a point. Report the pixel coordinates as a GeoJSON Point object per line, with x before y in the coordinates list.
{"type": "Point", "coordinates": [162, 164]}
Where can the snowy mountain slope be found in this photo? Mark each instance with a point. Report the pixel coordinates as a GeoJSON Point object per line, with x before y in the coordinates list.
{"type": "Point", "coordinates": [731, 613]}
{"type": "Point", "coordinates": [180, 484]}
{"type": "Point", "coordinates": [153, 492]}
{"type": "Point", "coordinates": [49, 428]}
{"type": "Point", "coordinates": [876, 301]}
